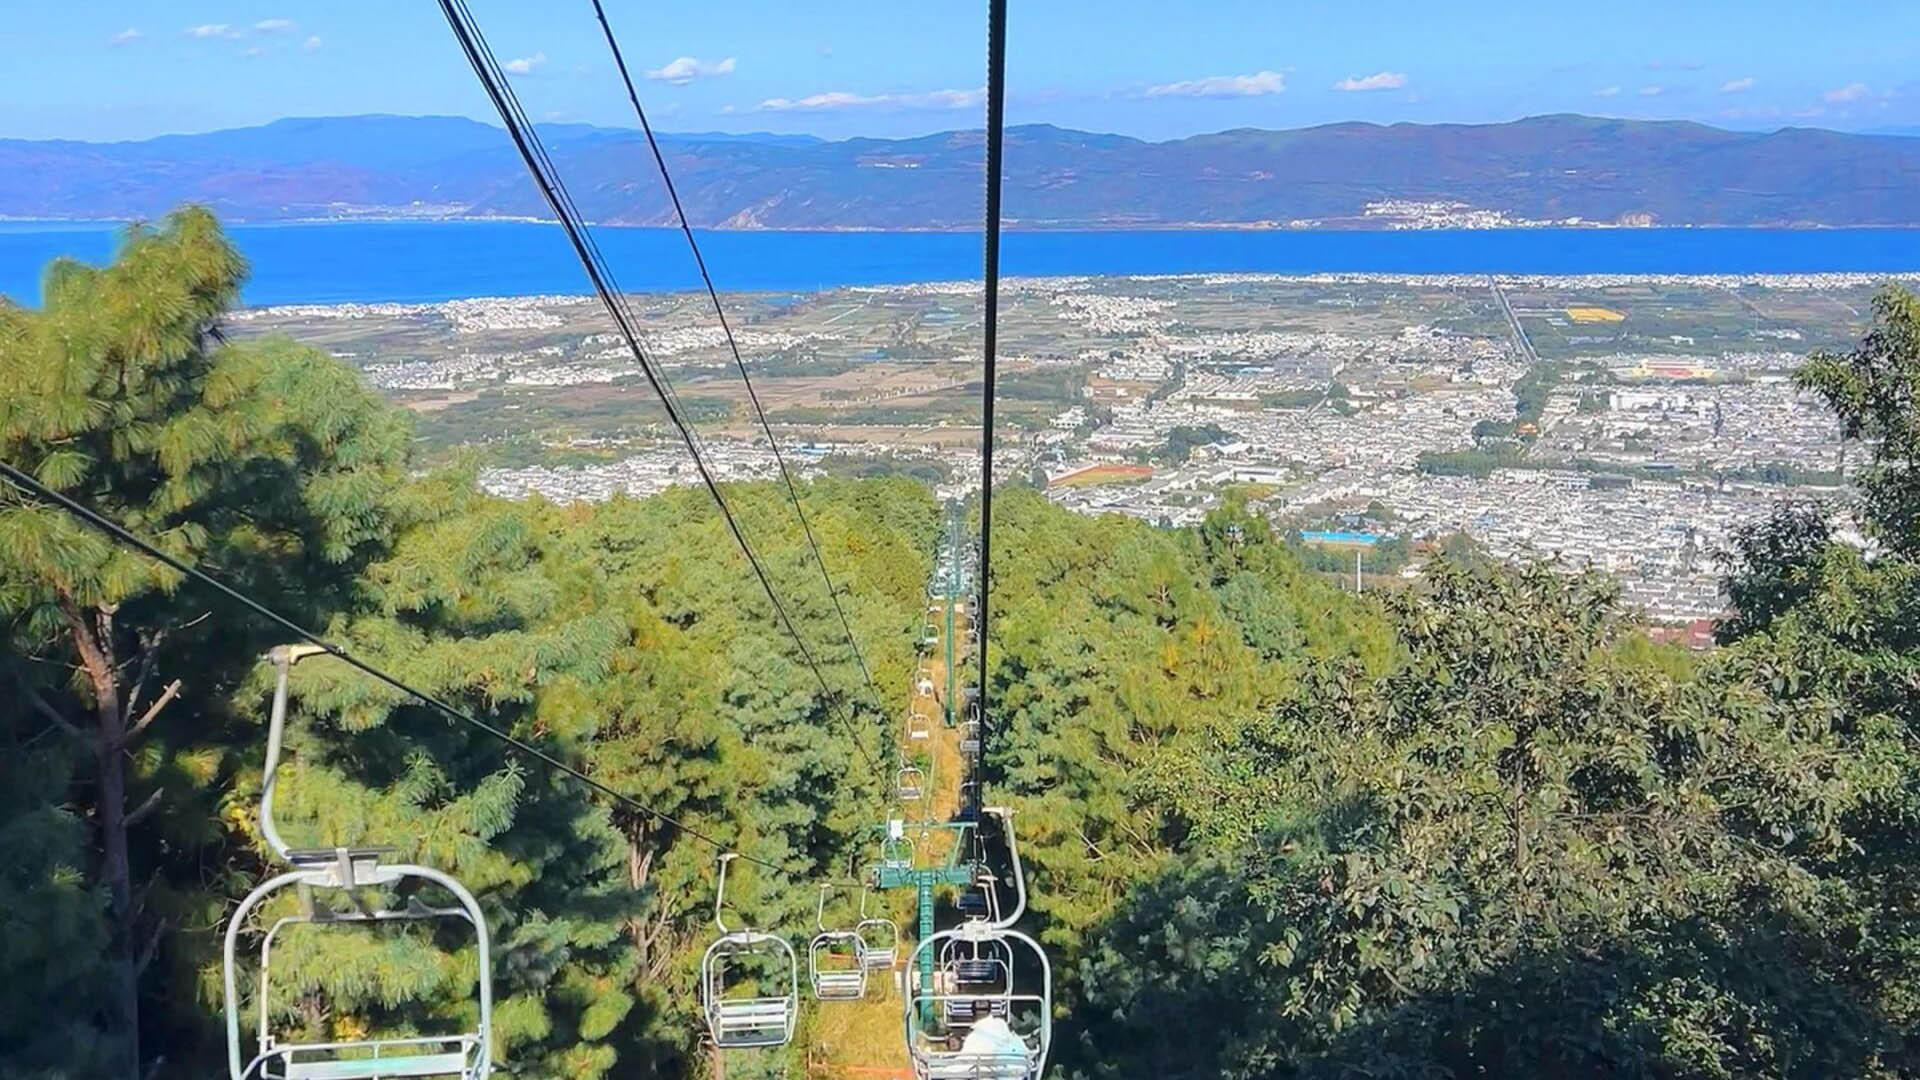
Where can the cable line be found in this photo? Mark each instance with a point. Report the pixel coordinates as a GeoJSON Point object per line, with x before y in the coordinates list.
{"type": "Point", "coordinates": [553, 189]}
{"type": "Point", "coordinates": [996, 130]}
{"type": "Point", "coordinates": [673, 193]}
{"type": "Point", "coordinates": [120, 534]}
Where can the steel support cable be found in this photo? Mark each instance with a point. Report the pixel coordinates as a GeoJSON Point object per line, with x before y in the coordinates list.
{"type": "Point", "coordinates": [996, 130]}
{"type": "Point", "coordinates": [713, 294]}
{"type": "Point", "coordinates": [553, 190]}
{"type": "Point", "coordinates": [560, 189]}
{"type": "Point", "coordinates": [120, 534]}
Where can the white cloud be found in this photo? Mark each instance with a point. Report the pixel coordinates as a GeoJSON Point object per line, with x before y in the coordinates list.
{"type": "Point", "coordinates": [213, 30]}
{"type": "Point", "coordinates": [274, 26]}
{"type": "Point", "coordinates": [1607, 91]}
{"type": "Point", "coordinates": [524, 65]}
{"type": "Point", "coordinates": [253, 50]}
{"type": "Point", "coordinates": [840, 99]}
{"type": "Point", "coordinates": [1847, 93]}
{"type": "Point", "coordinates": [1738, 86]}
{"type": "Point", "coordinates": [683, 70]}
{"type": "Point", "coordinates": [1255, 85]}
{"type": "Point", "coordinates": [946, 99]}
{"type": "Point", "coordinates": [1380, 80]}
{"type": "Point", "coordinates": [126, 37]}
{"type": "Point", "coordinates": [1652, 91]}
{"type": "Point", "coordinates": [312, 43]}
{"type": "Point", "coordinates": [836, 99]}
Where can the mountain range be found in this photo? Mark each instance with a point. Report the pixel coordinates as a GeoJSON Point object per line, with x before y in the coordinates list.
{"type": "Point", "coordinates": [1546, 168]}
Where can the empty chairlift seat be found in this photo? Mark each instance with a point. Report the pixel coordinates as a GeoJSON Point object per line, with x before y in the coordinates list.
{"type": "Point", "coordinates": [836, 967]}
{"type": "Point", "coordinates": [911, 783]}
{"type": "Point", "coordinates": [879, 939]}
{"type": "Point", "coordinates": [749, 983]}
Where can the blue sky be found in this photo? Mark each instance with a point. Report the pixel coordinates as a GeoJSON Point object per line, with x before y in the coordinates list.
{"type": "Point", "coordinates": [117, 69]}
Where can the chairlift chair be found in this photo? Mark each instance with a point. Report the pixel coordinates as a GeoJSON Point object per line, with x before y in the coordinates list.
{"type": "Point", "coordinates": [919, 726]}
{"type": "Point", "coordinates": [836, 964]}
{"type": "Point", "coordinates": [741, 1021]}
{"type": "Point", "coordinates": [911, 783]}
{"type": "Point", "coordinates": [879, 939]}
{"type": "Point", "coordinates": [463, 1055]}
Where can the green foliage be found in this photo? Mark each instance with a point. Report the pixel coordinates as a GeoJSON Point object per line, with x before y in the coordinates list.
{"type": "Point", "coordinates": [1182, 440]}
{"type": "Point", "coordinates": [630, 639]}
{"type": "Point", "coordinates": [53, 940]}
{"type": "Point", "coordinates": [1479, 462]}
{"type": "Point", "coordinates": [1531, 390]}
{"type": "Point", "coordinates": [1518, 853]}
{"type": "Point", "coordinates": [1294, 399]}
{"type": "Point", "coordinates": [1873, 389]}
{"type": "Point", "coordinates": [1118, 647]}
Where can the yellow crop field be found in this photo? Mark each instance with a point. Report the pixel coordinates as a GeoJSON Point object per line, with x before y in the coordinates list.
{"type": "Point", "coordinates": [1595, 315]}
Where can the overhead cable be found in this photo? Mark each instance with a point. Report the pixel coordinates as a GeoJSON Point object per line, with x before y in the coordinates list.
{"type": "Point", "coordinates": [553, 189]}
{"type": "Point", "coordinates": [713, 294]}
{"type": "Point", "coordinates": [120, 534]}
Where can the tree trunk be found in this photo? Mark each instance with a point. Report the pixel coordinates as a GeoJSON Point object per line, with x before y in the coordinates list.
{"type": "Point", "coordinates": [116, 869]}
{"type": "Point", "coordinates": [118, 872]}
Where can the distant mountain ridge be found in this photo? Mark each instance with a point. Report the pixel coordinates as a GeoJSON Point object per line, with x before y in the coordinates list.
{"type": "Point", "coordinates": [1348, 175]}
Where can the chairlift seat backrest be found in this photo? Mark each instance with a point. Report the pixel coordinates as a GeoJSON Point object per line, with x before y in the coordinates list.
{"type": "Point", "coordinates": [977, 972]}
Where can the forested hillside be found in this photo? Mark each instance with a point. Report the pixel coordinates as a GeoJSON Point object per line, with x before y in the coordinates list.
{"type": "Point", "coordinates": [1478, 826]}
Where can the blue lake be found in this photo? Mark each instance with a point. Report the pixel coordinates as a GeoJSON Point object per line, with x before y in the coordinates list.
{"type": "Point", "coordinates": [334, 263]}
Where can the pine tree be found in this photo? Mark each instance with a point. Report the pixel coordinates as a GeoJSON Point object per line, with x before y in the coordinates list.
{"type": "Point", "coordinates": [264, 459]}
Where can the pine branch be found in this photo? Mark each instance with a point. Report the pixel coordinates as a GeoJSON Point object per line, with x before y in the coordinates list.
{"type": "Point", "coordinates": [151, 948]}
{"type": "Point", "coordinates": [40, 704]}
{"type": "Point", "coordinates": [153, 710]}
{"type": "Point", "coordinates": [146, 807]}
